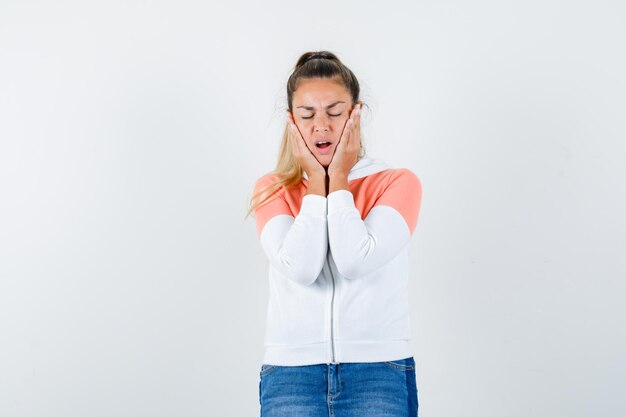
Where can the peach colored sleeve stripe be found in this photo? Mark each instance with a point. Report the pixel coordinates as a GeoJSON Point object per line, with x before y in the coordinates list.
{"type": "Point", "coordinates": [404, 193]}
{"type": "Point", "coordinates": [275, 206]}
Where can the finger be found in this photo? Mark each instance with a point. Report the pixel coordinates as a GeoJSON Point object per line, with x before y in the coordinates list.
{"type": "Point", "coordinates": [347, 131]}
{"type": "Point", "coordinates": [350, 127]}
{"type": "Point", "coordinates": [295, 132]}
{"type": "Point", "coordinates": [357, 127]}
{"type": "Point", "coordinates": [354, 130]}
{"type": "Point", "coordinates": [295, 145]}
{"type": "Point", "coordinates": [356, 112]}
{"type": "Point", "coordinates": [299, 142]}
{"type": "Point", "coordinates": [349, 123]}
{"type": "Point", "coordinates": [343, 140]}
{"type": "Point", "coordinates": [303, 145]}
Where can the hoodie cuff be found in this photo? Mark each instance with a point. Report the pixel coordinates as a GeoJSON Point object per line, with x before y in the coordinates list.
{"type": "Point", "coordinates": [340, 199]}
{"type": "Point", "coordinates": [313, 205]}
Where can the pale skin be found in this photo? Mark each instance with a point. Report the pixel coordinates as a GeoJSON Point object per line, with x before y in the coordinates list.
{"type": "Point", "coordinates": [323, 110]}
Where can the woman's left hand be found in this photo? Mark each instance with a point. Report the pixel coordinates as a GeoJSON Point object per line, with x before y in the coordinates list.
{"type": "Point", "coordinates": [347, 150]}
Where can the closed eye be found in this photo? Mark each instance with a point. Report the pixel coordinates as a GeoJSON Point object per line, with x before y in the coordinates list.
{"type": "Point", "coordinates": [333, 115]}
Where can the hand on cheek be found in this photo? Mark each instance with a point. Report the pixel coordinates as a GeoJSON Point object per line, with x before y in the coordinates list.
{"type": "Point", "coordinates": [301, 151]}
{"type": "Point", "coordinates": [347, 150]}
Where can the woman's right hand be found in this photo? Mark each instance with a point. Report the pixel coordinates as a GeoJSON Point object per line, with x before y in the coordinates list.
{"type": "Point", "coordinates": [301, 151]}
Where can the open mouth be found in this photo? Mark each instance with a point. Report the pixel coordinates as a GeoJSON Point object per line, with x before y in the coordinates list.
{"type": "Point", "coordinates": [322, 144]}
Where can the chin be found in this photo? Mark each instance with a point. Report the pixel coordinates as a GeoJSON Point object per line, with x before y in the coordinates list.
{"type": "Point", "coordinates": [323, 162]}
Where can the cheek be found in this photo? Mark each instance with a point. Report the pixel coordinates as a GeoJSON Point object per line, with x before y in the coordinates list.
{"type": "Point", "coordinates": [304, 125]}
{"type": "Point", "coordinates": [339, 125]}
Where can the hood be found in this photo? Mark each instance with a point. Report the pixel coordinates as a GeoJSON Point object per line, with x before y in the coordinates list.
{"type": "Point", "coordinates": [364, 167]}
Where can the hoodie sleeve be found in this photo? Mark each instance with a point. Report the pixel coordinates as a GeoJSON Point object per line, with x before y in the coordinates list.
{"type": "Point", "coordinates": [295, 246]}
{"type": "Point", "coordinates": [361, 246]}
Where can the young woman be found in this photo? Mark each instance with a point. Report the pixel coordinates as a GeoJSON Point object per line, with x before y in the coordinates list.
{"type": "Point", "coordinates": [336, 227]}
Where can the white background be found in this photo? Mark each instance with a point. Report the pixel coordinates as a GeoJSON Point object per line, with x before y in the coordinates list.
{"type": "Point", "coordinates": [132, 132]}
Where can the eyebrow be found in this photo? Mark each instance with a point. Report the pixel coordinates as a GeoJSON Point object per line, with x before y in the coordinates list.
{"type": "Point", "coordinates": [328, 107]}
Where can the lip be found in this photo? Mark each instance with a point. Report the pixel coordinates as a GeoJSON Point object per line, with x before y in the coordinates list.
{"type": "Point", "coordinates": [326, 150]}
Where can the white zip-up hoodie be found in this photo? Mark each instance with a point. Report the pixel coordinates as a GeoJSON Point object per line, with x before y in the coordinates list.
{"type": "Point", "coordinates": [339, 267]}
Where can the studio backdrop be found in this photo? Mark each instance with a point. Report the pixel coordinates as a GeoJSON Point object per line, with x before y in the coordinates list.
{"type": "Point", "coordinates": [131, 135]}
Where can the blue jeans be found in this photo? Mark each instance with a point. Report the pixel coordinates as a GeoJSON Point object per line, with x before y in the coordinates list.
{"type": "Point", "coordinates": [373, 389]}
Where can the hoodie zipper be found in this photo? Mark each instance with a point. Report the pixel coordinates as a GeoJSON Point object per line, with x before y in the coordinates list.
{"type": "Point", "coordinates": [332, 277]}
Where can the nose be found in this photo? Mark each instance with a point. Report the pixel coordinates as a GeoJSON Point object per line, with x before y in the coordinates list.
{"type": "Point", "coordinates": [321, 123]}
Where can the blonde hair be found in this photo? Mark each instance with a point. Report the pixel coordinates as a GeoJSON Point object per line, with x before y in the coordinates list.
{"type": "Point", "coordinates": [321, 64]}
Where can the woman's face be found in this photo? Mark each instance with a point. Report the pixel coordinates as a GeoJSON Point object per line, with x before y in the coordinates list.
{"type": "Point", "coordinates": [321, 108]}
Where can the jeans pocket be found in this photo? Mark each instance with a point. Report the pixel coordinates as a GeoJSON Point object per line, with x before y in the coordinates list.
{"type": "Point", "coordinates": [406, 364]}
{"type": "Point", "coordinates": [266, 369]}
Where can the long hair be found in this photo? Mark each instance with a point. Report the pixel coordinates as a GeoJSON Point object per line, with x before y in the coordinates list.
{"type": "Point", "coordinates": [321, 64]}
